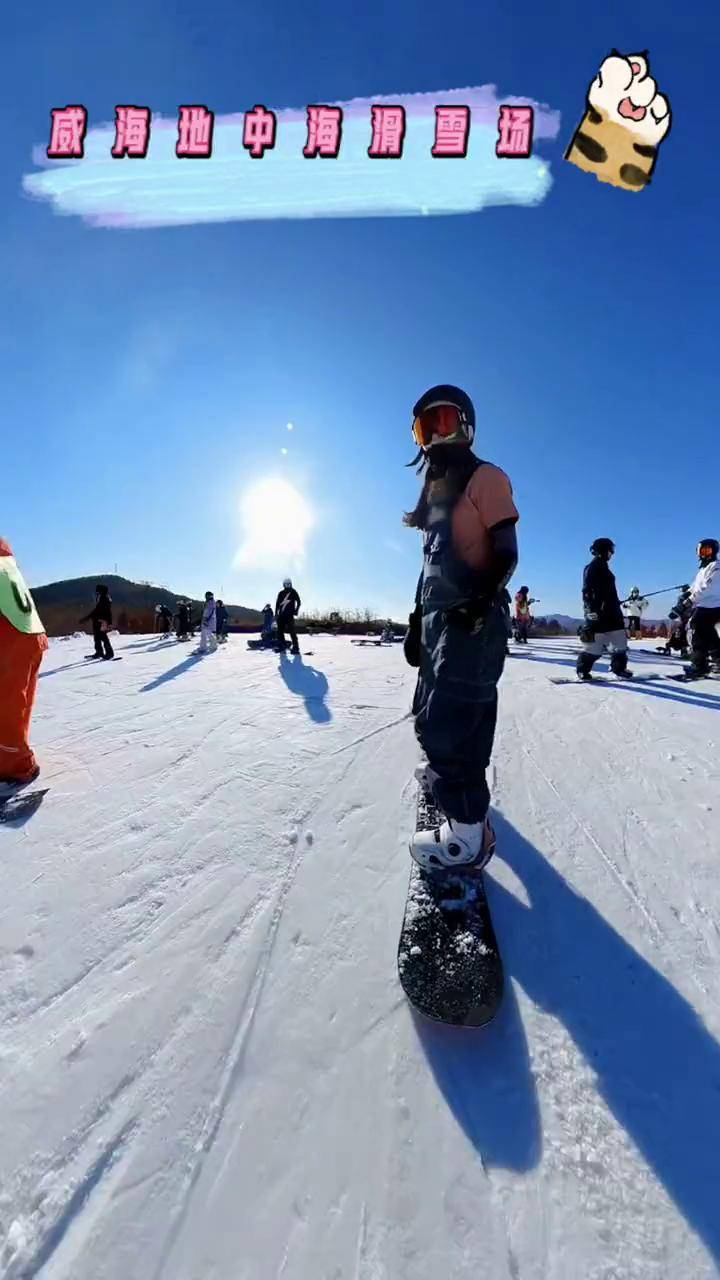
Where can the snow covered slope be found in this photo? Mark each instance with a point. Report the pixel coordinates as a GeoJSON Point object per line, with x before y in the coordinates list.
{"type": "Point", "coordinates": [207, 1068]}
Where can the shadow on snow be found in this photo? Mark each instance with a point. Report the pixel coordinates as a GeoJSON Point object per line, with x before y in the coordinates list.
{"type": "Point", "coordinates": [309, 684]}
{"type": "Point", "coordinates": [179, 670]}
{"type": "Point", "coordinates": [657, 1067]}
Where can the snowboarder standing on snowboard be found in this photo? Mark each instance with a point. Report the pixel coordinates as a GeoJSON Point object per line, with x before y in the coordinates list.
{"type": "Point", "coordinates": [523, 617]}
{"type": "Point", "coordinates": [604, 626]}
{"type": "Point", "coordinates": [458, 628]}
{"type": "Point", "coordinates": [705, 616]}
{"type": "Point", "coordinates": [208, 625]}
{"type": "Point", "coordinates": [101, 618]}
{"type": "Point", "coordinates": [22, 645]}
{"type": "Point", "coordinates": [287, 607]}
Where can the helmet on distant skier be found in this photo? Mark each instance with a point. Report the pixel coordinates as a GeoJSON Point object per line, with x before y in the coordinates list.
{"type": "Point", "coordinates": [634, 591]}
{"type": "Point", "coordinates": [707, 550]}
{"type": "Point", "coordinates": [287, 582]}
{"type": "Point", "coordinates": [603, 547]}
{"type": "Point", "coordinates": [443, 415]}
{"type": "Point", "coordinates": [208, 595]}
{"type": "Point", "coordinates": [524, 590]}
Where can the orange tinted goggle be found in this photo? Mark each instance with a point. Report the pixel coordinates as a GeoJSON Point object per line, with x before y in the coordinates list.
{"type": "Point", "coordinates": [706, 553]}
{"type": "Point", "coordinates": [442, 420]}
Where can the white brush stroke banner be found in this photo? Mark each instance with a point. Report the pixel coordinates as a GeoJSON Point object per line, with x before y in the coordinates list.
{"type": "Point", "coordinates": [162, 190]}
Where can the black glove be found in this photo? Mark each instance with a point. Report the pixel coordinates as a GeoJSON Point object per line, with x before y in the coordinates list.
{"type": "Point", "coordinates": [469, 617]}
{"type": "Point", "coordinates": [586, 632]}
{"type": "Point", "coordinates": [411, 643]}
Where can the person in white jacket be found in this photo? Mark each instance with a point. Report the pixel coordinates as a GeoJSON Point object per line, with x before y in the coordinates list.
{"type": "Point", "coordinates": [704, 628]}
{"type": "Point", "coordinates": [634, 607]}
{"type": "Point", "coordinates": [208, 625]}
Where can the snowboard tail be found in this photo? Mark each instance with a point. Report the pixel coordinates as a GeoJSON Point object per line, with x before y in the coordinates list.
{"type": "Point", "coordinates": [448, 958]}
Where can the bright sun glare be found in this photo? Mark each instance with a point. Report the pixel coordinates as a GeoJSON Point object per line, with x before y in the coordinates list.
{"type": "Point", "coordinates": [276, 523]}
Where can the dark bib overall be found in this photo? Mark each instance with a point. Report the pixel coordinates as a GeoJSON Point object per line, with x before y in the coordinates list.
{"type": "Point", "coordinates": [455, 704]}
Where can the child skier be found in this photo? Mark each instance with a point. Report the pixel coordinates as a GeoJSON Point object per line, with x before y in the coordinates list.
{"type": "Point", "coordinates": [523, 617]}
{"type": "Point", "coordinates": [705, 616]}
{"type": "Point", "coordinates": [22, 645]}
{"type": "Point", "coordinates": [101, 618]}
{"type": "Point", "coordinates": [635, 606]}
{"type": "Point", "coordinates": [208, 624]}
{"type": "Point", "coordinates": [458, 628]}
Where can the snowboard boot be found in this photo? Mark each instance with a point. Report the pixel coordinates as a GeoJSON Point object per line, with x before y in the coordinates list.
{"type": "Point", "coordinates": [619, 666]}
{"type": "Point", "coordinates": [455, 846]}
{"type": "Point", "coordinates": [584, 666]}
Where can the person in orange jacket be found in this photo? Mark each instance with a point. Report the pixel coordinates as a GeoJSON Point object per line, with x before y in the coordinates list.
{"type": "Point", "coordinates": [22, 644]}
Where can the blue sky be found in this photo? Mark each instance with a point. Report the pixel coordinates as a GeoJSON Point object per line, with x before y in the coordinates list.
{"type": "Point", "coordinates": [149, 375]}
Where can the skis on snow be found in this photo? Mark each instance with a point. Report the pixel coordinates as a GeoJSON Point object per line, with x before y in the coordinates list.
{"type": "Point", "coordinates": [448, 959]}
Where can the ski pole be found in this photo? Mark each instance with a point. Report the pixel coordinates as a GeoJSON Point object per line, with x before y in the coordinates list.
{"type": "Point", "coordinates": [645, 595]}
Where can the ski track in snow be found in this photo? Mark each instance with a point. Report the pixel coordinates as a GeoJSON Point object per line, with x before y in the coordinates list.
{"type": "Point", "coordinates": [207, 1066]}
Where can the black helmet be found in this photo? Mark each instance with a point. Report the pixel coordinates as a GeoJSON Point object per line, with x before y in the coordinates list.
{"type": "Point", "coordinates": [707, 550]}
{"type": "Point", "coordinates": [525, 589]}
{"type": "Point", "coordinates": [445, 393]}
{"type": "Point", "coordinates": [101, 589]}
{"type": "Point", "coordinates": [603, 547]}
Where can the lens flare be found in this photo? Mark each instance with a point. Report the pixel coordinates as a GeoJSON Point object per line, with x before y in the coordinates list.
{"type": "Point", "coordinates": [277, 522]}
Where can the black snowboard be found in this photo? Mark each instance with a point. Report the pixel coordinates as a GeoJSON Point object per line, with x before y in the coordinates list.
{"type": "Point", "coordinates": [21, 805]}
{"type": "Point", "coordinates": [604, 679]}
{"type": "Point", "coordinates": [448, 959]}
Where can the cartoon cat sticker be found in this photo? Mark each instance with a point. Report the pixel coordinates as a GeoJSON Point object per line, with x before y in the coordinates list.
{"type": "Point", "coordinates": [625, 122]}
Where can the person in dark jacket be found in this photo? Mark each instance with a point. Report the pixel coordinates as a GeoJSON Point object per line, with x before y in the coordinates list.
{"type": "Point", "coordinates": [182, 620]}
{"type": "Point", "coordinates": [101, 618]}
{"type": "Point", "coordinates": [268, 618]}
{"type": "Point", "coordinates": [163, 619]}
{"type": "Point", "coordinates": [221, 622]}
{"type": "Point", "coordinates": [604, 626]}
{"type": "Point", "coordinates": [287, 607]}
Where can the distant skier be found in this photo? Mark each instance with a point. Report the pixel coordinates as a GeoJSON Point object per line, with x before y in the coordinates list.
{"type": "Point", "coordinates": [635, 606]}
{"type": "Point", "coordinates": [182, 620]}
{"type": "Point", "coordinates": [208, 625]}
{"type": "Point", "coordinates": [22, 645]}
{"type": "Point", "coordinates": [679, 617]}
{"type": "Point", "coordinates": [458, 629]}
{"type": "Point", "coordinates": [101, 618]}
{"type": "Point", "coordinates": [703, 629]}
{"type": "Point", "coordinates": [523, 617]}
{"type": "Point", "coordinates": [268, 618]}
{"type": "Point", "coordinates": [287, 608]}
{"type": "Point", "coordinates": [221, 622]}
{"type": "Point", "coordinates": [163, 619]}
{"type": "Point", "coordinates": [387, 634]}
{"type": "Point", "coordinates": [604, 626]}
